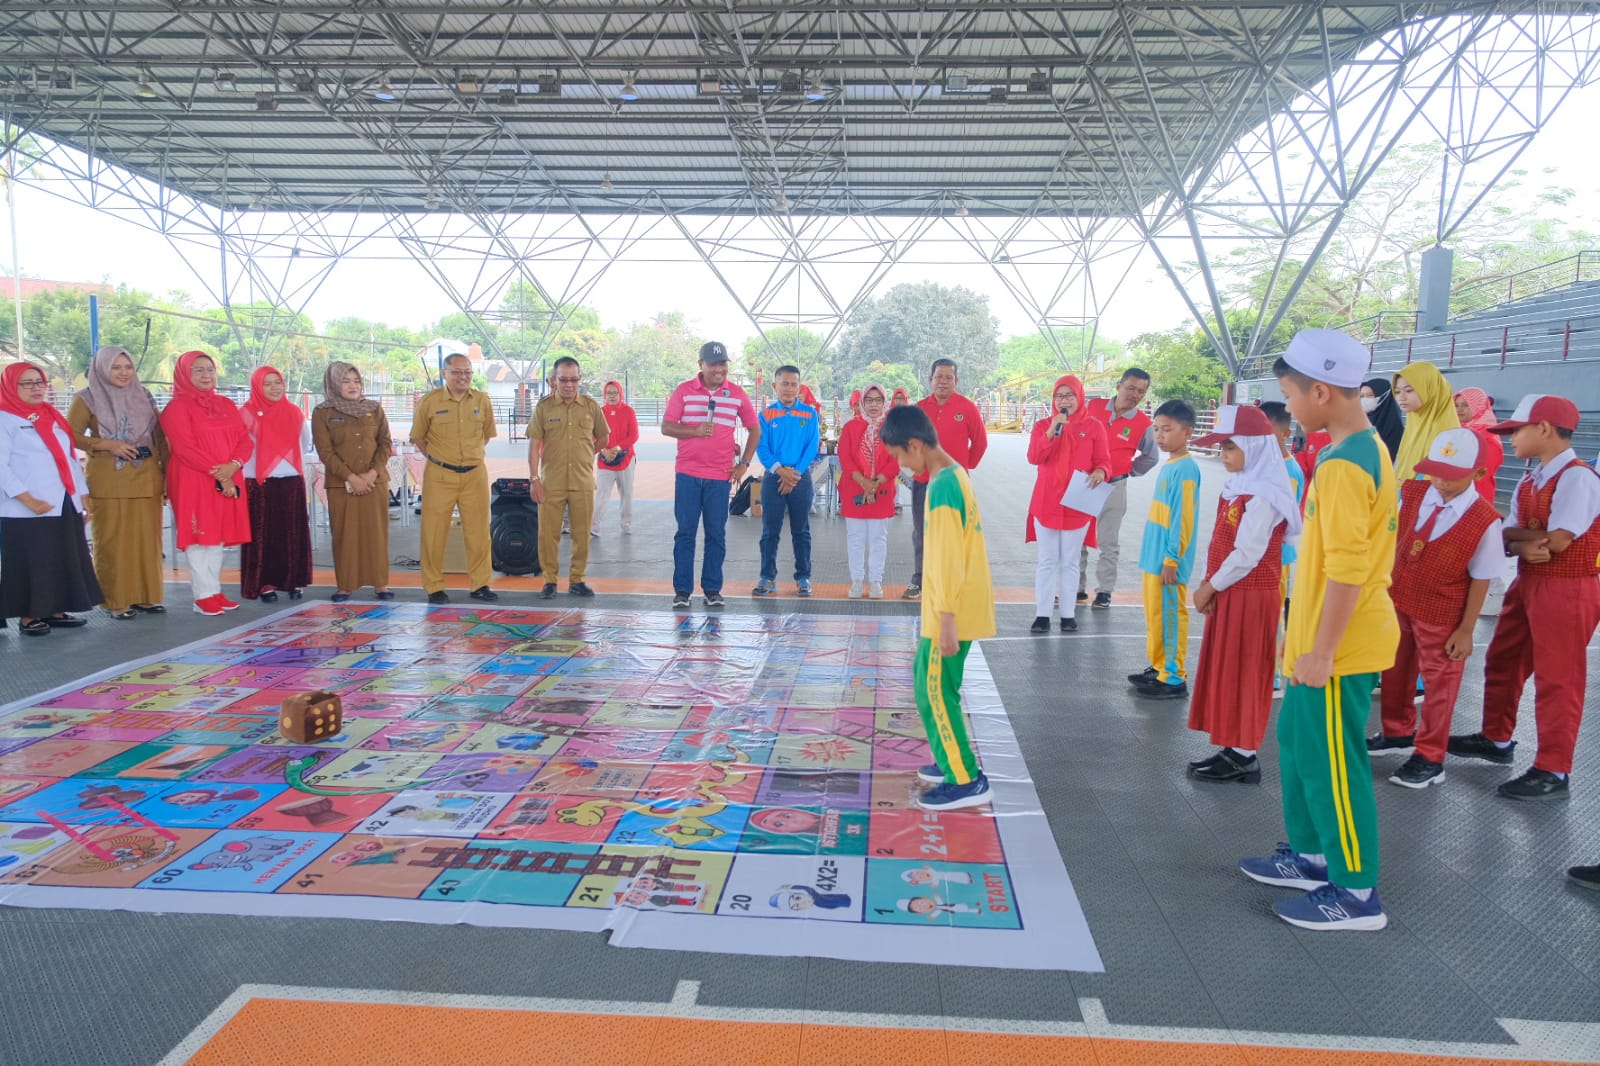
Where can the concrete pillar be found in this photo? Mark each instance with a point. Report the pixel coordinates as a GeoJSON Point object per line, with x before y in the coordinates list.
{"type": "Point", "coordinates": [1433, 288]}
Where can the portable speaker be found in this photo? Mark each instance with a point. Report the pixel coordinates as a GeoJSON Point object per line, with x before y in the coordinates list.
{"type": "Point", "coordinates": [514, 527]}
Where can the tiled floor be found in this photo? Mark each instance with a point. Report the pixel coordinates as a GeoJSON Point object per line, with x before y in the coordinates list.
{"type": "Point", "coordinates": [1490, 953]}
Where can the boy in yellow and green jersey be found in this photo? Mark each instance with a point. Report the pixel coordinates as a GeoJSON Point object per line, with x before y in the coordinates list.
{"type": "Point", "coordinates": [1166, 557]}
{"type": "Point", "coordinates": [957, 607]}
{"type": "Point", "coordinates": [1342, 634]}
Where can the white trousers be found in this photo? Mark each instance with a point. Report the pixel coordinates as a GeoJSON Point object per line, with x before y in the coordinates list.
{"type": "Point", "coordinates": [205, 569]}
{"type": "Point", "coordinates": [1055, 575]}
{"type": "Point", "coordinates": [868, 539]}
{"type": "Point", "coordinates": [603, 481]}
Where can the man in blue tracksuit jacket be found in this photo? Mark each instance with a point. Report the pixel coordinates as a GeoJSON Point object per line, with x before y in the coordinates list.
{"type": "Point", "coordinates": [791, 436]}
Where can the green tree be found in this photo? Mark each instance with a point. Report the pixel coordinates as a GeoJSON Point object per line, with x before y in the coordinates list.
{"type": "Point", "coordinates": [655, 355]}
{"type": "Point", "coordinates": [788, 345]}
{"type": "Point", "coordinates": [1029, 365]}
{"type": "Point", "coordinates": [56, 325]}
{"type": "Point", "coordinates": [917, 323]}
{"type": "Point", "coordinates": [891, 376]}
{"type": "Point", "coordinates": [1182, 365]}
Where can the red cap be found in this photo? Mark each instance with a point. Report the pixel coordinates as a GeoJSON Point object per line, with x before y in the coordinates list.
{"type": "Point", "coordinates": [1236, 420]}
{"type": "Point", "coordinates": [1455, 453]}
{"type": "Point", "coordinates": [1559, 411]}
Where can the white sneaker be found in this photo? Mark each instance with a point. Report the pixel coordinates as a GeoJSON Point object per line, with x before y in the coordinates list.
{"type": "Point", "coordinates": [875, 591]}
{"type": "Point", "coordinates": [855, 590]}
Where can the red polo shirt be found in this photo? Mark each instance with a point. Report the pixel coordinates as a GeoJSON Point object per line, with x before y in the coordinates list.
{"type": "Point", "coordinates": [960, 427]}
{"type": "Point", "coordinates": [1122, 434]}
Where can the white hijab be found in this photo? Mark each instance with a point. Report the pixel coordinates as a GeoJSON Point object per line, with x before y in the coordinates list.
{"type": "Point", "coordinates": [1265, 478]}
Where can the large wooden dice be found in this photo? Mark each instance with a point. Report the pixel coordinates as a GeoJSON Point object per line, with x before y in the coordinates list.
{"type": "Point", "coordinates": [308, 717]}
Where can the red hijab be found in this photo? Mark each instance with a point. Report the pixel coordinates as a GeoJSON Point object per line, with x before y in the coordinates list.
{"type": "Point", "coordinates": [1063, 466]}
{"type": "Point", "coordinates": [1479, 407]}
{"type": "Point", "coordinates": [41, 416]}
{"type": "Point", "coordinates": [809, 398]}
{"type": "Point", "coordinates": [275, 425]}
{"type": "Point", "coordinates": [899, 394]}
{"type": "Point", "coordinates": [183, 388]}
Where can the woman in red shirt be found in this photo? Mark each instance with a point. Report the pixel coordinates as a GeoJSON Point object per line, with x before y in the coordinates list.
{"type": "Point", "coordinates": [1062, 444]}
{"type": "Point", "coordinates": [205, 479]}
{"type": "Point", "coordinates": [867, 489]}
{"type": "Point", "coordinates": [616, 462]}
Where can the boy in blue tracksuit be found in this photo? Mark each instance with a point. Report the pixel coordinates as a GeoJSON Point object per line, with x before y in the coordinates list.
{"type": "Point", "coordinates": [791, 437]}
{"type": "Point", "coordinates": [1167, 557]}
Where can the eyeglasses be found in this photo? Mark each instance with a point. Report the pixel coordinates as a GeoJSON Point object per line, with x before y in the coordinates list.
{"type": "Point", "coordinates": [31, 383]}
{"type": "Point", "coordinates": [568, 381]}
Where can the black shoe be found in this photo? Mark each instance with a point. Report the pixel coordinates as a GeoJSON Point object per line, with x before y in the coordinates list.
{"type": "Point", "coordinates": [912, 592]}
{"type": "Point", "coordinates": [296, 594]}
{"type": "Point", "coordinates": [149, 608]}
{"type": "Point", "coordinates": [1069, 625]}
{"type": "Point", "coordinates": [1083, 597]}
{"type": "Point", "coordinates": [714, 600]}
{"type": "Point", "coordinates": [1417, 772]}
{"type": "Point", "coordinates": [1207, 761]}
{"type": "Point", "coordinates": [1478, 746]}
{"type": "Point", "coordinates": [484, 593]}
{"type": "Point", "coordinates": [1159, 690]}
{"type": "Point", "coordinates": [1102, 601]}
{"type": "Point", "coordinates": [269, 597]}
{"type": "Point", "coordinates": [1041, 624]}
{"type": "Point", "coordinates": [549, 591]}
{"type": "Point", "coordinates": [439, 597]}
{"type": "Point", "coordinates": [1585, 876]}
{"type": "Point", "coordinates": [64, 621]}
{"type": "Point", "coordinates": [1230, 766]}
{"type": "Point", "coordinates": [680, 601]}
{"type": "Point", "coordinates": [1144, 677]}
{"type": "Point", "coordinates": [1535, 785]}
{"type": "Point", "coordinates": [1377, 743]}
{"type": "Point", "coordinates": [578, 588]}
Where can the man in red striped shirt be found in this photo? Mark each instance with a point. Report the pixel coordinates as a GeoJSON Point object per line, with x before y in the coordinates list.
{"type": "Point", "coordinates": [963, 437]}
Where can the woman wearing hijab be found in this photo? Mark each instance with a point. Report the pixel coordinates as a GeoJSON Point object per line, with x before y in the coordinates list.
{"type": "Point", "coordinates": [899, 398]}
{"type": "Point", "coordinates": [116, 423]}
{"type": "Point", "coordinates": [1475, 408]}
{"type": "Point", "coordinates": [205, 479]}
{"type": "Point", "coordinates": [45, 569]}
{"type": "Point", "coordinates": [1377, 400]}
{"type": "Point", "coordinates": [1430, 407]}
{"type": "Point", "coordinates": [278, 555]}
{"type": "Point", "coordinates": [1242, 595]}
{"type": "Point", "coordinates": [616, 463]}
{"type": "Point", "coordinates": [352, 439]}
{"type": "Point", "coordinates": [1066, 442]}
{"type": "Point", "coordinates": [867, 487]}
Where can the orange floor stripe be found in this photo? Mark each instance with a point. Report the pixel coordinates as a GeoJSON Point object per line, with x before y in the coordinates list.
{"type": "Point", "coordinates": [275, 1031]}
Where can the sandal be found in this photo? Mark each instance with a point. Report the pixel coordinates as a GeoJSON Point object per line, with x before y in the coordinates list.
{"type": "Point", "coordinates": [63, 621]}
{"type": "Point", "coordinates": [149, 608]}
{"type": "Point", "coordinates": [386, 595]}
{"type": "Point", "coordinates": [123, 616]}
{"type": "Point", "coordinates": [269, 597]}
{"type": "Point", "coordinates": [37, 627]}
{"type": "Point", "coordinates": [340, 597]}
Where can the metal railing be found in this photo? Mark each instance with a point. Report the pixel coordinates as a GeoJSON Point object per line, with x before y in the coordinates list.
{"type": "Point", "coordinates": [1495, 292]}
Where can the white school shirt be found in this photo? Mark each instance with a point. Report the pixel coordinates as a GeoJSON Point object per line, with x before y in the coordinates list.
{"type": "Point", "coordinates": [1489, 557]}
{"type": "Point", "coordinates": [1577, 500]}
{"type": "Point", "coordinates": [26, 465]}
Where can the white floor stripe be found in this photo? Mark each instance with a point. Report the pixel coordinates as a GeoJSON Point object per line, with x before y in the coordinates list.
{"type": "Point", "coordinates": [1577, 1042]}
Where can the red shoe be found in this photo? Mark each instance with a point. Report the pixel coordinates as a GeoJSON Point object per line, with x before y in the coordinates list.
{"type": "Point", "coordinates": [209, 606]}
{"type": "Point", "coordinates": [223, 602]}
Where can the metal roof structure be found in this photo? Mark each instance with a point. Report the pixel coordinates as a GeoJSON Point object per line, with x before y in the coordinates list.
{"type": "Point", "coordinates": [1161, 121]}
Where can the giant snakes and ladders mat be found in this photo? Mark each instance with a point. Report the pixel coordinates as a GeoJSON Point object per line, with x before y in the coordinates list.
{"type": "Point", "coordinates": [706, 782]}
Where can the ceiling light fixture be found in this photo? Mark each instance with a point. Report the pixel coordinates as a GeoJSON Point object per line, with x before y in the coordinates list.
{"type": "Point", "coordinates": [467, 85]}
{"type": "Point", "coordinates": [710, 85]}
{"type": "Point", "coordinates": [790, 82]}
{"type": "Point", "coordinates": [997, 94]}
{"type": "Point", "coordinates": [145, 91]}
{"type": "Point", "coordinates": [961, 209]}
{"type": "Point", "coordinates": [507, 98]}
{"type": "Point", "coordinates": [606, 182]}
{"type": "Point", "coordinates": [749, 94]}
{"type": "Point", "coordinates": [783, 202]}
{"type": "Point", "coordinates": [266, 102]}
{"type": "Point", "coordinates": [956, 81]}
{"type": "Point", "coordinates": [64, 79]}
{"type": "Point", "coordinates": [223, 82]}
{"type": "Point", "coordinates": [629, 92]}
{"type": "Point", "coordinates": [433, 200]}
{"type": "Point", "coordinates": [1038, 82]}
{"type": "Point", "coordinates": [550, 84]}
{"type": "Point", "coordinates": [384, 92]}
{"type": "Point", "coordinates": [305, 83]}
{"type": "Point", "coordinates": [815, 92]}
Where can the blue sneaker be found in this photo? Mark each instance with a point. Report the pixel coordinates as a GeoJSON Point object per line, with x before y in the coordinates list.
{"type": "Point", "coordinates": [1332, 908]}
{"type": "Point", "coordinates": [766, 587]}
{"type": "Point", "coordinates": [1285, 868]}
{"type": "Point", "coordinates": [948, 797]}
{"type": "Point", "coordinates": [803, 586]}
{"type": "Point", "coordinates": [931, 774]}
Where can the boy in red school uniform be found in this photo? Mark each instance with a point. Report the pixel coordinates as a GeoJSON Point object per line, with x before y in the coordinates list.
{"type": "Point", "coordinates": [1241, 597]}
{"type": "Point", "coordinates": [1552, 607]}
{"type": "Point", "coordinates": [1449, 547]}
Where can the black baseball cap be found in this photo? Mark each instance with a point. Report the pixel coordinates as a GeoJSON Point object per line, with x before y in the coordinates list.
{"type": "Point", "coordinates": [713, 352]}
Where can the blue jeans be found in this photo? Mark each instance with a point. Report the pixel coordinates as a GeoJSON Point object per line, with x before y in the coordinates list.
{"type": "Point", "coordinates": [699, 501]}
{"type": "Point", "coordinates": [774, 506]}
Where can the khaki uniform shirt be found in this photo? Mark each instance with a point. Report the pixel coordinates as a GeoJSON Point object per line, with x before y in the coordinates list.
{"type": "Point", "coordinates": [453, 431]}
{"type": "Point", "coordinates": [107, 479]}
{"type": "Point", "coordinates": [349, 446]}
{"type": "Point", "coordinates": [570, 434]}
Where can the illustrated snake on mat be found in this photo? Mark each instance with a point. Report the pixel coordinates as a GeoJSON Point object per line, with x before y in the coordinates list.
{"type": "Point", "coordinates": [294, 772]}
{"type": "Point", "coordinates": [687, 825]}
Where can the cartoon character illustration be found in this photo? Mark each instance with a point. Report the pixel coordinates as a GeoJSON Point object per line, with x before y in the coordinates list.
{"type": "Point", "coordinates": [244, 854]}
{"type": "Point", "coordinates": [790, 821]}
{"type": "Point", "coordinates": [96, 797]}
{"type": "Point", "coordinates": [927, 875]}
{"type": "Point", "coordinates": [126, 852]}
{"type": "Point", "coordinates": [933, 907]}
{"type": "Point", "coordinates": [520, 742]}
{"type": "Point", "coordinates": [647, 891]}
{"type": "Point", "coordinates": [683, 825]}
{"type": "Point", "coordinates": [369, 853]}
{"type": "Point", "coordinates": [41, 721]}
{"type": "Point", "coordinates": [798, 898]}
{"type": "Point", "coordinates": [194, 797]}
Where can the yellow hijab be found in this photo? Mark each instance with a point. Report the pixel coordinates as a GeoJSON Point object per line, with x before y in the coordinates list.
{"type": "Point", "coordinates": [1437, 414]}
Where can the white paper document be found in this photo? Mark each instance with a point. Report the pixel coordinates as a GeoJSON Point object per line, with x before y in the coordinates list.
{"type": "Point", "coordinates": [1085, 498]}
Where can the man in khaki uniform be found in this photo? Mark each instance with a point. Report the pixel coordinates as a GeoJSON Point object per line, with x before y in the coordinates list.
{"type": "Point", "coordinates": [451, 427]}
{"type": "Point", "coordinates": [566, 431]}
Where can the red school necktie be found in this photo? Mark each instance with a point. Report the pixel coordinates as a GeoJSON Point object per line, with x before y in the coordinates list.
{"type": "Point", "coordinates": [1424, 534]}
